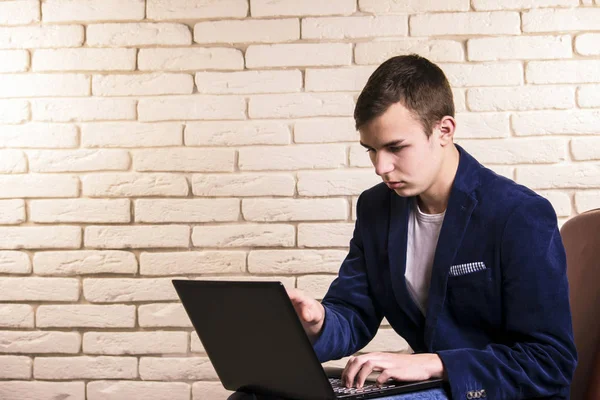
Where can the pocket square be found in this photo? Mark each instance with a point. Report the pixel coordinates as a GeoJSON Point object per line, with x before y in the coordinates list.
{"type": "Point", "coordinates": [463, 269]}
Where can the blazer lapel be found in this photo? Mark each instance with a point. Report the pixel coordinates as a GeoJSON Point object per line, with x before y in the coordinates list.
{"type": "Point", "coordinates": [458, 213]}
{"type": "Point", "coordinates": [397, 242]}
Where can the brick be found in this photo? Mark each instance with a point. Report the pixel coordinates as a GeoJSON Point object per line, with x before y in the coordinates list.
{"type": "Point", "coordinates": [298, 54]}
{"type": "Point", "coordinates": [123, 237]}
{"type": "Point", "coordinates": [249, 82]}
{"type": "Point", "coordinates": [247, 31]}
{"type": "Point", "coordinates": [466, 23]}
{"type": "Point", "coordinates": [338, 79]}
{"type": "Point", "coordinates": [85, 316]}
{"type": "Point", "coordinates": [12, 162]}
{"type": "Point", "coordinates": [386, 340]}
{"type": "Point", "coordinates": [142, 85]}
{"type": "Point", "coordinates": [588, 96]}
{"type": "Point", "coordinates": [39, 289]}
{"type": "Point", "coordinates": [138, 34]}
{"type": "Point", "coordinates": [325, 235]}
{"type": "Point", "coordinates": [560, 176]}
{"type": "Point", "coordinates": [15, 316]}
{"type": "Point", "coordinates": [21, 12]}
{"type": "Point", "coordinates": [325, 130]}
{"type": "Point", "coordinates": [209, 390]}
{"type": "Point", "coordinates": [163, 315]}
{"type": "Point", "coordinates": [336, 183]}
{"type": "Point", "coordinates": [84, 262]}
{"type": "Point", "coordinates": [192, 107]}
{"type": "Point", "coordinates": [315, 286]}
{"type": "Point", "coordinates": [578, 122]}
{"type": "Point", "coordinates": [14, 60]}
{"type": "Point", "coordinates": [177, 369]}
{"type": "Point", "coordinates": [113, 290]}
{"type": "Point", "coordinates": [564, 71]}
{"type": "Point", "coordinates": [354, 202]}
{"type": "Point", "coordinates": [15, 367]}
{"type": "Point", "coordinates": [244, 235]}
{"type": "Point", "coordinates": [39, 342]}
{"type": "Point", "coordinates": [560, 201]}
{"type": "Point", "coordinates": [132, 134]}
{"type": "Point", "coordinates": [80, 210]}
{"type": "Point", "coordinates": [187, 210]}
{"type": "Point", "coordinates": [243, 185]}
{"type": "Point", "coordinates": [190, 9]}
{"type": "Point", "coordinates": [39, 186]}
{"type": "Point", "coordinates": [118, 343]}
{"type": "Point", "coordinates": [39, 135]}
{"type": "Point", "coordinates": [359, 156]}
{"type": "Point", "coordinates": [78, 160]}
{"type": "Point", "coordinates": [92, 10]}
{"type": "Point", "coordinates": [484, 74]}
{"type": "Point", "coordinates": [25, 390]}
{"type": "Point", "coordinates": [85, 367]}
{"type": "Point", "coordinates": [521, 98]}
{"type": "Point", "coordinates": [411, 6]}
{"type": "Point", "coordinates": [354, 27]}
{"type": "Point", "coordinates": [489, 5]}
{"type": "Point", "coordinates": [86, 59]}
{"type": "Point", "coordinates": [190, 59]}
{"type": "Point", "coordinates": [11, 211]}
{"type": "Point", "coordinates": [14, 262]}
{"type": "Point", "coordinates": [236, 133]}
{"type": "Point", "coordinates": [565, 20]}
{"type": "Point", "coordinates": [519, 151]}
{"type": "Point", "coordinates": [585, 201]}
{"type": "Point", "coordinates": [377, 52]}
{"type": "Point", "coordinates": [13, 111]}
{"type": "Point", "coordinates": [185, 159]}
{"type": "Point", "coordinates": [294, 261]}
{"type": "Point", "coordinates": [267, 8]}
{"type": "Point", "coordinates": [44, 85]}
{"type": "Point", "coordinates": [301, 105]}
{"type": "Point", "coordinates": [41, 37]}
{"type": "Point", "coordinates": [134, 185]}
{"type": "Point", "coordinates": [38, 237]}
{"type": "Point", "coordinates": [272, 210]}
{"type": "Point", "coordinates": [482, 125]}
{"type": "Point", "coordinates": [519, 48]}
{"type": "Point", "coordinates": [83, 109]}
{"type": "Point", "coordinates": [588, 44]}
{"type": "Point", "coordinates": [586, 149]}
{"type": "Point", "coordinates": [195, 343]}
{"type": "Point", "coordinates": [292, 157]}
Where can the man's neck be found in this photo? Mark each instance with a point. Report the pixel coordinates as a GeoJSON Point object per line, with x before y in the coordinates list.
{"type": "Point", "coordinates": [435, 199]}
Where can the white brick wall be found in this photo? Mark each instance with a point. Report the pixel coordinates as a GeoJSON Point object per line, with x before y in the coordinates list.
{"type": "Point", "coordinates": [147, 140]}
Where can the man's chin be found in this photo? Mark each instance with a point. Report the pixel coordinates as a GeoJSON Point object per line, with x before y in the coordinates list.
{"type": "Point", "coordinates": [405, 191]}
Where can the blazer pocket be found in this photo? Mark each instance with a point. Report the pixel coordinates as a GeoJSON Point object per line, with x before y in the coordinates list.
{"type": "Point", "coordinates": [468, 268]}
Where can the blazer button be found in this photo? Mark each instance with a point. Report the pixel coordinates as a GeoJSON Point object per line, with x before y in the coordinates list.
{"type": "Point", "coordinates": [483, 393]}
{"type": "Point", "coordinates": [469, 395]}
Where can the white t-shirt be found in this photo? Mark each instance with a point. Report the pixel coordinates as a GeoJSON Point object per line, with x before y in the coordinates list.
{"type": "Point", "coordinates": [423, 233]}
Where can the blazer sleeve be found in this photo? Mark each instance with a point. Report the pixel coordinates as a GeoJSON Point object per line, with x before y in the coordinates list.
{"type": "Point", "coordinates": [351, 316]}
{"type": "Point", "coordinates": [538, 356]}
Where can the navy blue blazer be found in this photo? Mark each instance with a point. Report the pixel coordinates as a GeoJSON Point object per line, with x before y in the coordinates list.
{"type": "Point", "coordinates": [503, 327]}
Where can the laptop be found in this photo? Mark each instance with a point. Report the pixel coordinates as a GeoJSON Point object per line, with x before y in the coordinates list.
{"type": "Point", "coordinates": [256, 343]}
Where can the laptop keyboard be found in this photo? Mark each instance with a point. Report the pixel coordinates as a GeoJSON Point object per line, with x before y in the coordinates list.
{"type": "Point", "coordinates": [341, 391]}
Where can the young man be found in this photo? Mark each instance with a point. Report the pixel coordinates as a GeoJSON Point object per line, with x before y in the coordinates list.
{"type": "Point", "coordinates": [466, 265]}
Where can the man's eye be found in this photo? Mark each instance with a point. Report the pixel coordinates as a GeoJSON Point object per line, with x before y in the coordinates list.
{"type": "Point", "coordinates": [370, 150]}
{"type": "Point", "coordinates": [395, 149]}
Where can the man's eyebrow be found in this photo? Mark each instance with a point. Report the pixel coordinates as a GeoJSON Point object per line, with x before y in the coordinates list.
{"type": "Point", "coordinates": [388, 144]}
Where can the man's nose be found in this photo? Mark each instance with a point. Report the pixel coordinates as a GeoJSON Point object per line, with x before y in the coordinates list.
{"type": "Point", "coordinates": [382, 163]}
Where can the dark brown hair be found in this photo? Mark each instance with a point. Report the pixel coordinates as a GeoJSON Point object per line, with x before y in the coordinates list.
{"type": "Point", "coordinates": [415, 82]}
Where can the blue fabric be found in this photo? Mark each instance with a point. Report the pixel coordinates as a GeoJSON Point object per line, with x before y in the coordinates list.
{"type": "Point", "coordinates": [431, 394]}
{"type": "Point", "coordinates": [505, 329]}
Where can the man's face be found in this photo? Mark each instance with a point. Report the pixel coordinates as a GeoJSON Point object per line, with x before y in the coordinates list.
{"type": "Point", "coordinates": [403, 155]}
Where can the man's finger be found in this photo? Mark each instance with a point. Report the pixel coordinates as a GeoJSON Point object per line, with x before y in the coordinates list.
{"type": "Point", "coordinates": [364, 372]}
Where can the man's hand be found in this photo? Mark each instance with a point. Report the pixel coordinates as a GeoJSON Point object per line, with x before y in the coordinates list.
{"type": "Point", "coordinates": [401, 367]}
{"type": "Point", "coordinates": [310, 311]}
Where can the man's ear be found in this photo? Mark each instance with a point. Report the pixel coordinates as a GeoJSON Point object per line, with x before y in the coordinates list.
{"type": "Point", "coordinates": [446, 127]}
